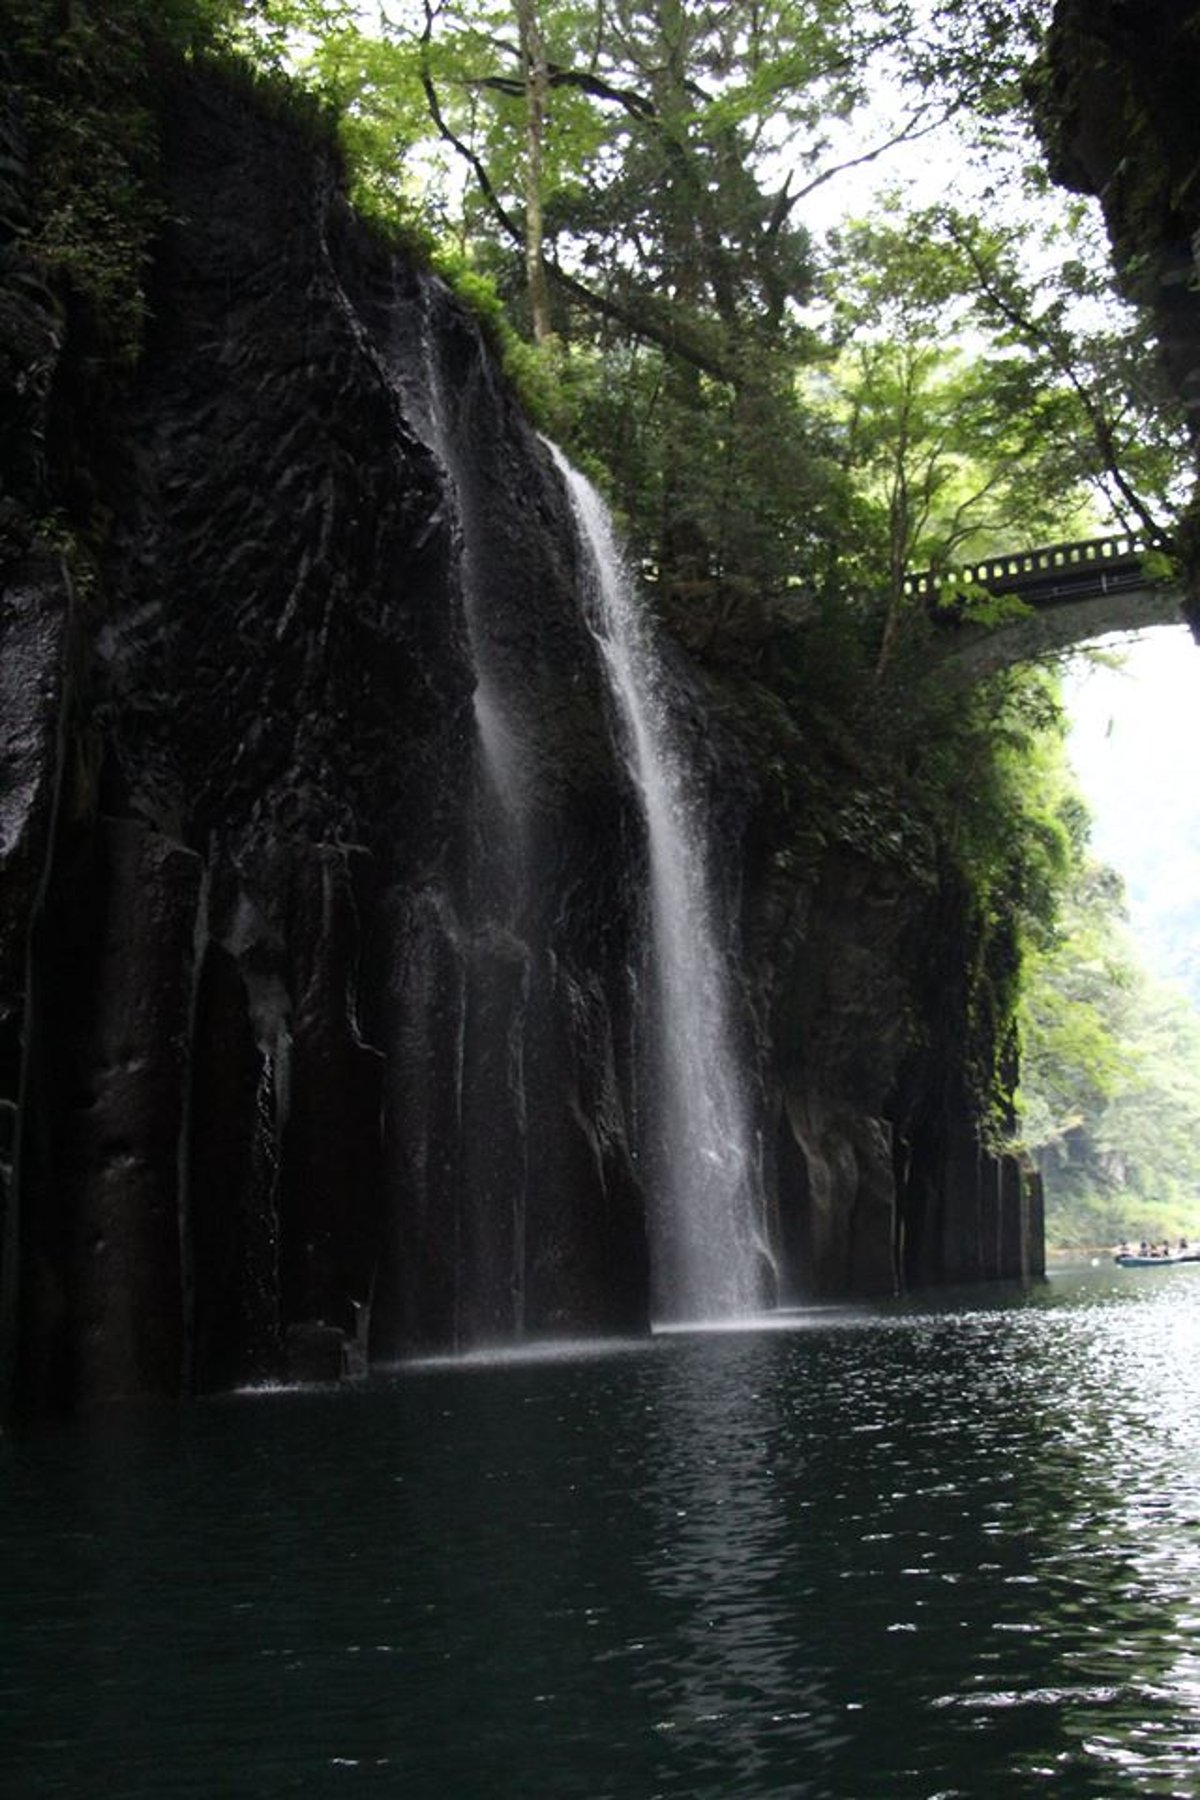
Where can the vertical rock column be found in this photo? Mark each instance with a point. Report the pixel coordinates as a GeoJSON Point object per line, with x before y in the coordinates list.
{"type": "Point", "coordinates": [102, 1254]}
{"type": "Point", "coordinates": [34, 614]}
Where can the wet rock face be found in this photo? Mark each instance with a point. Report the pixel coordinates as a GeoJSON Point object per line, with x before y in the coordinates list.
{"type": "Point", "coordinates": [879, 1175]}
{"type": "Point", "coordinates": [289, 1069]}
{"type": "Point", "coordinates": [104, 1246]}
{"type": "Point", "coordinates": [320, 953]}
{"type": "Point", "coordinates": [283, 550]}
{"type": "Point", "coordinates": [843, 1011]}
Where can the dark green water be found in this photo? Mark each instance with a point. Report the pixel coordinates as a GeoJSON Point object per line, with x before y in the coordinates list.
{"type": "Point", "coordinates": [866, 1557]}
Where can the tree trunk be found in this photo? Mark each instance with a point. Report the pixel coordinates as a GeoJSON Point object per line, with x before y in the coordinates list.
{"type": "Point", "coordinates": [537, 81]}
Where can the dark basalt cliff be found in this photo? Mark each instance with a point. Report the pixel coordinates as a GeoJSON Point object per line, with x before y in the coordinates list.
{"type": "Point", "coordinates": [296, 1065]}
{"type": "Point", "coordinates": [1117, 109]}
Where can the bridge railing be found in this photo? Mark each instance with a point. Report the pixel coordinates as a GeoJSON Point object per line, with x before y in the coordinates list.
{"type": "Point", "coordinates": [1043, 567]}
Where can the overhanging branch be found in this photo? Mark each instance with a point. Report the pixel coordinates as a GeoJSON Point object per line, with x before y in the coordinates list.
{"type": "Point", "coordinates": [1102, 430]}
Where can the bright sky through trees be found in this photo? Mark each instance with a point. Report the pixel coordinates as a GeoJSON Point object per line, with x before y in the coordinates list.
{"type": "Point", "coordinates": [1133, 743]}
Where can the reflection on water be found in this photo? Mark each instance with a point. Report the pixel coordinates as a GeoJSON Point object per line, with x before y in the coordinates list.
{"type": "Point", "coordinates": [924, 1552]}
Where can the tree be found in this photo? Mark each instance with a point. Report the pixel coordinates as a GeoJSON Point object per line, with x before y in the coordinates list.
{"type": "Point", "coordinates": [83, 71]}
{"type": "Point", "coordinates": [634, 179]}
{"type": "Point", "coordinates": [977, 412]}
{"type": "Point", "coordinates": [536, 72]}
{"type": "Point", "coordinates": [1109, 1098]}
{"type": "Point", "coordinates": [639, 176]}
{"type": "Point", "coordinates": [662, 122]}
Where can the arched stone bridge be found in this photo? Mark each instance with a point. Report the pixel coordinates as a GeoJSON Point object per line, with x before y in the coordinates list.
{"type": "Point", "coordinates": [1074, 593]}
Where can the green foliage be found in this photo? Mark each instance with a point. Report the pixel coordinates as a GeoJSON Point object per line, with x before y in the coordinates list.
{"type": "Point", "coordinates": [985, 774]}
{"type": "Point", "coordinates": [977, 410]}
{"type": "Point", "coordinates": [1073, 1010]}
{"type": "Point", "coordinates": [977, 605]}
{"type": "Point", "coordinates": [92, 142]}
{"type": "Point", "coordinates": [371, 87]}
{"type": "Point", "coordinates": [661, 180]}
{"type": "Point", "coordinates": [1110, 1086]}
{"type": "Point", "coordinates": [1162, 566]}
{"type": "Point", "coordinates": [676, 255]}
{"type": "Point", "coordinates": [84, 77]}
{"type": "Point", "coordinates": [533, 370]}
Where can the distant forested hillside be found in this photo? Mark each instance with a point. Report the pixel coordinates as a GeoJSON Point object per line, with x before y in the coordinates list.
{"type": "Point", "coordinates": [1110, 1086]}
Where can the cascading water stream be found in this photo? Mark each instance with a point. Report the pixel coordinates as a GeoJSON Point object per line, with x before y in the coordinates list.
{"type": "Point", "coordinates": [491, 925]}
{"type": "Point", "coordinates": [500, 755]}
{"type": "Point", "coordinates": [709, 1254]}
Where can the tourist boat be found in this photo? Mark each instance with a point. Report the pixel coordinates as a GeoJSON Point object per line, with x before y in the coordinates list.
{"type": "Point", "coordinates": [1157, 1262]}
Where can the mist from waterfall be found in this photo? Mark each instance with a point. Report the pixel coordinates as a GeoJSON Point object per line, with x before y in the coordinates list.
{"type": "Point", "coordinates": [698, 1155]}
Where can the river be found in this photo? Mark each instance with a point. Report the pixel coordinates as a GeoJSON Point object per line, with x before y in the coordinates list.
{"type": "Point", "coordinates": [930, 1550]}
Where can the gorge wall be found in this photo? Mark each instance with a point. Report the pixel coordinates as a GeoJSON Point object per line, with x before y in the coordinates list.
{"type": "Point", "coordinates": [1117, 112]}
{"type": "Point", "coordinates": [315, 1045]}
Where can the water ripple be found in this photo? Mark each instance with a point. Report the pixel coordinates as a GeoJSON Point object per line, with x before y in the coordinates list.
{"type": "Point", "coordinates": [925, 1553]}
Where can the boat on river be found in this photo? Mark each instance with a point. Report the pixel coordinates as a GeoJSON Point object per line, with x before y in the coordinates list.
{"type": "Point", "coordinates": [1169, 1261]}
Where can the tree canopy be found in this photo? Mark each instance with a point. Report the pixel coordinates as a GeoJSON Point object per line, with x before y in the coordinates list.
{"type": "Point", "coordinates": [637, 180]}
{"type": "Point", "coordinates": [1110, 1081]}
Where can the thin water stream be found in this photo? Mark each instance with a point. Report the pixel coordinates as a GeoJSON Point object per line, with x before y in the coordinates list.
{"type": "Point", "coordinates": [498, 731]}
{"type": "Point", "coordinates": [698, 1155]}
{"type": "Point", "coordinates": [710, 1257]}
{"type": "Point", "coordinates": [893, 1554]}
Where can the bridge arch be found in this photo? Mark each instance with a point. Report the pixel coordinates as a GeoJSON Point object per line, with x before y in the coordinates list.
{"type": "Point", "coordinates": [1071, 594]}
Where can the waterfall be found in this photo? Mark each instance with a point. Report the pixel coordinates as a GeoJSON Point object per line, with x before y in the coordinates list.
{"type": "Point", "coordinates": [487, 920]}
{"type": "Point", "coordinates": [709, 1255]}
{"type": "Point", "coordinates": [497, 731]}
